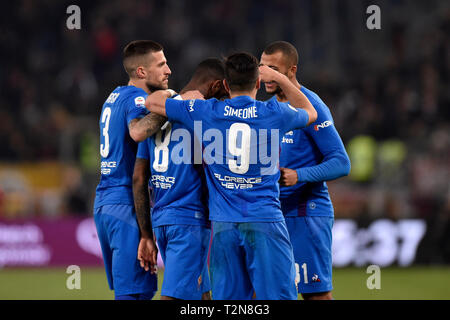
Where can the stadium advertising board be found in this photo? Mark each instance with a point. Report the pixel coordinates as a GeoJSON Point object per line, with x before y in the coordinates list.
{"type": "Point", "coordinates": [68, 241]}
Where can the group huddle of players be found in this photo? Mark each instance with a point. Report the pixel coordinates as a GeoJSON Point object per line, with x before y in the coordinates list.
{"type": "Point", "coordinates": [195, 171]}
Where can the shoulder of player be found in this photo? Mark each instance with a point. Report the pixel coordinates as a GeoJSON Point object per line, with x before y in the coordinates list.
{"type": "Point", "coordinates": [189, 105]}
{"type": "Point", "coordinates": [124, 92]}
{"type": "Point", "coordinates": [272, 103]}
{"type": "Point", "coordinates": [132, 92]}
{"type": "Point", "coordinates": [131, 96]}
{"type": "Point", "coordinates": [178, 99]}
{"type": "Point", "coordinates": [212, 102]}
{"type": "Point", "coordinates": [315, 100]}
{"type": "Point", "coordinates": [323, 112]}
{"type": "Point", "coordinates": [128, 94]}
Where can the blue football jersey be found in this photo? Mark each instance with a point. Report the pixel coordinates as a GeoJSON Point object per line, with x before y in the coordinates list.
{"type": "Point", "coordinates": [117, 148]}
{"type": "Point", "coordinates": [176, 183]}
{"type": "Point", "coordinates": [318, 154]}
{"type": "Point", "coordinates": [238, 142]}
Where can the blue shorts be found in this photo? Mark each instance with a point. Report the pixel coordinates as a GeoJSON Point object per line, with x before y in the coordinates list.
{"type": "Point", "coordinates": [184, 251]}
{"type": "Point", "coordinates": [311, 240]}
{"type": "Point", "coordinates": [252, 257]}
{"type": "Point", "coordinates": [119, 237]}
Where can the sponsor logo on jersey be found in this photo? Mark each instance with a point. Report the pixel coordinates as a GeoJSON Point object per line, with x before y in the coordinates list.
{"type": "Point", "coordinates": [162, 182]}
{"type": "Point", "coordinates": [323, 125]}
{"type": "Point", "coordinates": [315, 278]}
{"type": "Point", "coordinates": [106, 166]}
{"type": "Point", "coordinates": [287, 140]}
{"type": "Point", "coordinates": [231, 182]}
{"type": "Point", "coordinates": [139, 102]}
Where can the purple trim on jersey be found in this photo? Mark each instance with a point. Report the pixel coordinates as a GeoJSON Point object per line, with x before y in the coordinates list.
{"type": "Point", "coordinates": [301, 209]}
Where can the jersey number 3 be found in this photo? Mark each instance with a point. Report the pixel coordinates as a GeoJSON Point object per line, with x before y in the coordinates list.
{"type": "Point", "coordinates": [104, 148]}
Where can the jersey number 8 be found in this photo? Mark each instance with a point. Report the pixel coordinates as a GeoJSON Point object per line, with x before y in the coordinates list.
{"type": "Point", "coordinates": [161, 162]}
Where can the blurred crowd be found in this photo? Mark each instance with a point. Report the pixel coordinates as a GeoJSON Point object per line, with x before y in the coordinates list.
{"type": "Point", "coordinates": [387, 89]}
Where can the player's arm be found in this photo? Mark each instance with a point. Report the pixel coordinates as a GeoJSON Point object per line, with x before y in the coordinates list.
{"type": "Point", "coordinates": [156, 101]}
{"type": "Point", "coordinates": [141, 177]}
{"type": "Point", "coordinates": [295, 97]}
{"type": "Point", "coordinates": [147, 250]}
{"type": "Point", "coordinates": [141, 129]}
{"type": "Point", "coordinates": [335, 163]}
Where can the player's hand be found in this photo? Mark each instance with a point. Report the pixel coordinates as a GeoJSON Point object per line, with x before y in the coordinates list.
{"type": "Point", "coordinates": [267, 74]}
{"type": "Point", "coordinates": [288, 177]}
{"type": "Point", "coordinates": [192, 94]}
{"type": "Point", "coordinates": [148, 254]}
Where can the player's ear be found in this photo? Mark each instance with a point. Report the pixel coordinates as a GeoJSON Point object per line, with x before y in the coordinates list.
{"type": "Point", "coordinates": [292, 71]}
{"type": "Point", "coordinates": [140, 72]}
{"type": "Point", "coordinates": [217, 85]}
{"type": "Point", "coordinates": [258, 83]}
{"type": "Point", "coordinates": [214, 87]}
{"type": "Point", "coordinates": [225, 85]}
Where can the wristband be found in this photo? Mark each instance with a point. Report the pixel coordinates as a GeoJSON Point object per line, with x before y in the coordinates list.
{"type": "Point", "coordinates": [172, 92]}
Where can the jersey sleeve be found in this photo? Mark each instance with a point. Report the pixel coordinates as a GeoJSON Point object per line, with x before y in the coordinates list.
{"type": "Point", "coordinates": [186, 111]}
{"type": "Point", "coordinates": [143, 151]}
{"type": "Point", "coordinates": [292, 118]}
{"type": "Point", "coordinates": [135, 106]}
{"type": "Point", "coordinates": [336, 162]}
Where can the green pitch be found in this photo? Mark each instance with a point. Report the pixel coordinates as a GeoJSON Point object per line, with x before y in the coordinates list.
{"type": "Point", "coordinates": [349, 283]}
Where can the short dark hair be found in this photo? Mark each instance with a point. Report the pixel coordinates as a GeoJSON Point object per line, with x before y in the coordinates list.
{"type": "Point", "coordinates": [209, 69]}
{"type": "Point", "coordinates": [287, 49]}
{"type": "Point", "coordinates": [241, 71]}
{"type": "Point", "coordinates": [135, 51]}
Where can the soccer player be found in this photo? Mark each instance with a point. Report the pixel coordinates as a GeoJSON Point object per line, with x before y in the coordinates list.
{"type": "Point", "coordinates": [309, 157]}
{"type": "Point", "coordinates": [250, 247]}
{"type": "Point", "coordinates": [124, 121]}
{"type": "Point", "coordinates": [179, 216]}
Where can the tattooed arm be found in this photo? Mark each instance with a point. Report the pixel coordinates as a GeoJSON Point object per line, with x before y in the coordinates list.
{"type": "Point", "coordinates": [141, 129]}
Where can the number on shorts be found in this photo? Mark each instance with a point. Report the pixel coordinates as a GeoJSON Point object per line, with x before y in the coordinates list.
{"type": "Point", "coordinates": [297, 273]}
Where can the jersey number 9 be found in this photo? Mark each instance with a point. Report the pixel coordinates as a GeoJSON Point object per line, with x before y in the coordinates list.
{"type": "Point", "coordinates": [241, 149]}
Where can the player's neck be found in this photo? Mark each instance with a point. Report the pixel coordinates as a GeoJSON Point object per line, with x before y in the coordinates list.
{"type": "Point", "coordinates": [139, 84]}
{"type": "Point", "coordinates": [281, 97]}
{"type": "Point", "coordinates": [195, 86]}
{"type": "Point", "coordinates": [251, 94]}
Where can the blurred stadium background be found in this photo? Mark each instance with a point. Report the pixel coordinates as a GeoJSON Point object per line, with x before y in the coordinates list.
{"type": "Point", "coordinates": [388, 91]}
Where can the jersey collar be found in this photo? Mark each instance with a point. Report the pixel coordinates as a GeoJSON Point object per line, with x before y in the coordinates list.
{"type": "Point", "coordinates": [240, 101]}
